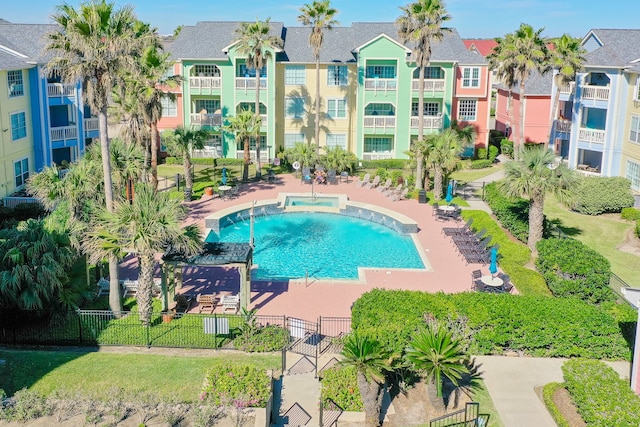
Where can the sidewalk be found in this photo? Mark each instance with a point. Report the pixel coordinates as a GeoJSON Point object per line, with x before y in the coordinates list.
{"type": "Point", "coordinates": [480, 205]}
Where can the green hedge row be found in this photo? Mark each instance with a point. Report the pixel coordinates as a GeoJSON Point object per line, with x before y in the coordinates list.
{"type": "Point", "coordinates": [572, 269]}
{"type": "Point", "coordinates": [548, 392]}
{"type": "Point", "coordinates": [532, 325]}
{"type": "Point", "coordinates": [481, 164]}
{"type": "Point", "coordinates": [340, 384]}
{"type": "Point", "coordinates": [598, 195]}
{"type": "Point", "coordinates": [513, 214]}
{"type": "Point", "coordinates": [239, 386]}
{"type": "Point", "coordinates": [384, 163]}
{"type": "Point", "coordinates": [603, 399]}
{"type": "Point", "coordinates": [206, 161]}
{"type": "Point", "coordinates": [632, 214]}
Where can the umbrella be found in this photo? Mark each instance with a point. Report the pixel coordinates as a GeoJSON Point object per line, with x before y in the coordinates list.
{"type": "Point", "coordinates": [224, 176]}
{"type": "Point", "coordinates": [493, 266]}
{"type": "Point", "coordinates": [449, 197]}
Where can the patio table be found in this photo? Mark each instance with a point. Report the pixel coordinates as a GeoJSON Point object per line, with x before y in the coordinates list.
{"type": "Point", "coordinates": [494, 282]}
{"type": "Point", "coordinates": [224, 190]}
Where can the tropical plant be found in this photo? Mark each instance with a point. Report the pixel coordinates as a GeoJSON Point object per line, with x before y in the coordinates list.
{"type": "Point", "coordinates": [442, 157]}
{"type": "Point", "coordinates": [302, 153]}
{"type": "Point", "coordinates": [532, 177]}
{"type": "Point", "coordinates": [421, 25]}
{"type": "Point", "coordinates": [436, 354]}
{"type": "Point", "coordinates": [371, 363]}
{"type": "Point", "coordinates": [244, 126]}
{"type": "Point", "coordinates": [319, 16]}
{"type": "Point", "coordinates": [339, 159]}
{"type": "Point", "coordinates": [146, 226]}
{"type": "Point", "coordinates": [256, 42]}
{"type": "Point", "coordinates": [92, 45]}
{"type": "Point", "coordinates": [180, 142]}
{"type": "Point", "coordinates": [127, 162]}
{"type": "Point", "coordinates": [515, 57]}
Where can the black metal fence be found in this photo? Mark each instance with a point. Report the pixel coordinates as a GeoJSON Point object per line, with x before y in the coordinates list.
{"type": "Point", "coordinates": [467, 417]}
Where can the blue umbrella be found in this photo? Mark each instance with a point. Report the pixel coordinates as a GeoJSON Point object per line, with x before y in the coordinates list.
{"type": "Point", "coordinates": [224, 176]}
{"type": "Point", "coordinates": [493, 266]}
{"type": "Point", "coordinates": [449, 197]}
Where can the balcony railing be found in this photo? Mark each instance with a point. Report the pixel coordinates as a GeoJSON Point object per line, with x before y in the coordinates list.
{"type": "Point", "coordinates": [430, 85]}
{"type": "Point", "coordinates": [206, 119]}
{"type": "Point", "coordinates": [60, 89]}
{"type": "Point", "coordinates": [91, 124]}
{"type": "Point", "coordinates": [377, 156]}
{"type": "Point", "coordinates": [249, 83]}
{"type": "Point", "coordinates": [63, 133]}
{"type": "Point", "coordinates": [380, 84]}
{"type": "Point", "coordinates": [567, 89]}
{"type": "Point", "coordinates": [597, 93]}
{"type": "Point", "coordinates": [563, 126]}
{"type": "Point", "coordinates": [591, 135]}
{"type": "Point", "coordinates": [205, 82]}
{"type": "Point", "coordinates": [430, 122]}
{"type": "Point", "coordinates": [383, 122]}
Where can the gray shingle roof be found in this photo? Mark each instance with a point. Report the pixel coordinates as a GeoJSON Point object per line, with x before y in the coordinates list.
{"type": "Point", "coordinates": [337, 46]}
{"type": "Point", "coordinates": [27, 39]}
{"type": "Point", "coordinates": [619, 47]}
{"type": "Point", "coordinates": [536, 85]}
{"type": "Point", "coordinates": [10, 61]}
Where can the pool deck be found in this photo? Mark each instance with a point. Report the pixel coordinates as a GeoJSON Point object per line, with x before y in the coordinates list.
{"type": "Point", "coordinates": [313, 298]}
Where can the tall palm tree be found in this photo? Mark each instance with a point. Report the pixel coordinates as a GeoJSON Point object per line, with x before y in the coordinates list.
{"type": "Point", "coordinates": [516, 56]}
{"type": "Point", "coordinates": [339, 159]}
{"type": "Point", "coordinates": [149, 225]}
{"type": "Point", "coordinates": [244, 126]}
{"type": "Point", "coordinates": [92, 45]}
{"type": "Point", "coordinates": [568, 58]}
{"type": "Point", "coordinates": [256, 42]}
{"type": "Point", "coordinates": [319, 16]}
{"type": "Point", "coordinates": [371, 363]}
{"type": "Point", "coordinates": [421, 25]}
{"type": "Point", "coordinates": [127, 165]}
{"type": "Point", "coordinates": [180, 142]}
{"type": "Point", "coordinates": [437, 355]}
{"type": "Point", "coordinates": [442, 157]}
{"type": "Point", "coordinates": [532, 177]}
{"type": "Point", "coordinates": [304, 154]}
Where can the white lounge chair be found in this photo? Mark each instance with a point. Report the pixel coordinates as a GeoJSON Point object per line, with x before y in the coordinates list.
{"type": "Point", "coordinates": [391, 191]}
{"type": "Point", "coordinates": [230, 302]}
{"type": "Point", "coordinates": [374, 183]}
{"type": "Point", "coordinates": [385, 186]}
{"type": "Point", "coordinates": [364, 181]}
{"type": "Point", "coordinates": [400, 196]}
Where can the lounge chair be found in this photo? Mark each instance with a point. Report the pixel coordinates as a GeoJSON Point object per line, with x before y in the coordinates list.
{"type": "Point", "coordinates": [230, 302]}
{"type": "Point", "coordinates": [400, 196]}
{"type": "Point", "coordinates": [331, 177]}
{"type": "Point", "coordinates": [390, 192]}
{"type": "Point", "coordinates": [385, 186]}
{"type": "Point", "coordinates": [129, 287]}
{"type": "Point", "coordinates": [207, 302]}
{"type": "Point", "coordinates": [307, 177]}
{"type": "Point", "coordinates": [458, 231]}
{"type": "Point", "coordinates": [364, 181]}
{"type": "Point", "coordinates": [374, 183]}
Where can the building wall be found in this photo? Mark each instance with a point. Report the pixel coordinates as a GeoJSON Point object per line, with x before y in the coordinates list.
{"type": "Point", "coordinates": [537, 113]}
{"type": "Point", "coordinates": [631, 149]}
{"type": "Point", "coordinates": [166, 123]}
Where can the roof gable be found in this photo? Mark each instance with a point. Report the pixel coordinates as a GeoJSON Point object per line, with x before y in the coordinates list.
{"type": "Point", "coordinates": [379, 37]}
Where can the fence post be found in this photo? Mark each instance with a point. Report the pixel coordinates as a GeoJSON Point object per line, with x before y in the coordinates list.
{"type": "Point", "coordinates": [321, 410]}
{"type": "Point", "coordinates": [316, 346]}
{"type": "Point", "coordinates": [148, 336]}
{"type": "Point", "coordinates": [284, 359]}
{"type": "Point", "coordinates": [79, 328]}
{"type": "Point", "coordinates": [483, 190]}
{"type": "Point", "coordinates": [215, 331]}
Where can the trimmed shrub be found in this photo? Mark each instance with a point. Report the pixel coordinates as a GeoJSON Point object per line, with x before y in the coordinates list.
{"type": "Point", "coordinates": [572, 269]}
{"type": "Point", "coordinates": [598, 195]}
{"type": "Point", "coordinates": [602, 398]}
{"type": "Point", "coordinates": [340, 384]}
{"type": "Point", "coordinates": [548, 391]}
{"type": "Point", "coordinates": [382, 173]}
{"type": "Point", "coordinates": [25, 211]}
{"type": "Point", "coordinates": [482, 153]}
{"type": "Point", "coordinates": [630, 214]}
{"type": "Point", "coordinates": [506, 147]}
{"type": "Point", "coordinates": [172, 161]}
{"type": "Point", "coordinates": [269, 338]}
{"type": "Point", "coordinates": [481, 164]}
{"type": "Point", "coordinates": [229, 161]}
{"type": "Point", "coordinates": [532, 325]}
{"type": "Point", "coordinates": [513, 214]}
{"type": "Point", "coordinates": [246, 385]}
{"type": "Point", "coordinates": [493, 152]}
{"type": "Point", "coordinates": [384, 163]}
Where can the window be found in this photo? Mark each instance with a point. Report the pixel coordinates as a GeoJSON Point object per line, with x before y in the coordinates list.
{"type": "Point", "coordinates": [206, 71]}
{"type": "Point", "coordinates": [337, 108]}
{"type": "Point", "coordinates": [378, 145]}
{"type": "Point", "coordinates": [429, 73]}
{"type": "Point", "coordinates": [291, 139]}
{"type": "Point", "coordinates": [18, 126]}
{"type": "Point", "coordinates": [21, 172]}
{"type": "Point", "coordinates": [294, 107]}
{"type": "Point", "coordinates": [210, 106]}
{"type": "Point", "coordinates": [634, 133]}
{"type": "Point", "coordinates": [337, 75]}
{"type": "Point", "coordinates": [377, 109]}
{"type": "Point", "coordinates": [251, 106]}
{"type": "Point", "coordinates": [380, 71]}
{"type": "Point", "coordinates": [14, 82]}
{"type": "Point", "coordinates": [252, 144]}
{"type": "Point", "coordinates": [337, 140]}
{"type": "Point", "coordinates": [245, 71]}
{"type": "Point", "coordinates": [169, 107]}
{"type": "Point", "coordinates": [430, 109]}
{"type": "Point", "coordinates": [633, 174]}
{"type": "Point", "coordinates": [295, 75]}
{"type": "Point", "coordinates": [467, 110]}
{"type": "Point", "coordinates": [471, 77]}
{"type": "Point", "coordinates": [213, 143]}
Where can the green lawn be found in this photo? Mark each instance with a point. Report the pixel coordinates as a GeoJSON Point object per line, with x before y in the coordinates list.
{"type": "Point", "coordinates": [603, 233]}
{"type": "Point", "coordinates": [468, 175]}
{"type": "Point", "coordinates": [175, 378]}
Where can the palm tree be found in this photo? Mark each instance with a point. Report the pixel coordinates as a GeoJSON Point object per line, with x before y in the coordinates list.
{"type": "Point", "coordinates": [442, 157]}
{"type": "Point", "coordinates": [304, 154]}
{"type": "Point", "coordinates": [532, 177]}
{"type": "Point", "coordinates": [436, 354]}
{"type": "Point", "coordinates": [339, 159]}
{"type": "Point", "coordinates": [371, 363]}
{"type": "Point", "coordinates": [568, 58]}
{"type": "Point", "coordinates": [256, 42]}
{"type": "Point", "coordinates": [515, 57]}
{"type": "Point", "coordinates": [421, 25]}
{"type": "Point", "coordinates": [127, 165]}
{"type": "Point", "coordinates": [92, 45]}
{"type": "Point", "coordinates": [244, 126]}
{"type": "Point", "coordinates": [149, 225]}
{"type": "Point", "coordinates": [180, 142]}
{"type": "Point", "coordinates": [319, 16]}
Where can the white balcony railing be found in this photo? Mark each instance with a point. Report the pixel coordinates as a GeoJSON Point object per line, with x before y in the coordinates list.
{"type": "Point", "coordinates": [377, 156]}
{"type": "Point", "coordinates": [380, 84]}
{"type": "Point", "coordinates": [597, 93]}
{"type": "Point", "coordinates": [591, 135]}
{"type": "Point", "coordinates": [249, 83]}
{"type": "Point", "coordinates": [91, 124]}
{"type": "Point", "coordinates": [206, 119]}
{"type": "Point", "coordinates": [264, 155]}
{"type": "Point", "coordinates": [63, 133]}
{"type": "Point", "coordinates": [205, 82]}
{"type": "Point", "coordinates": [430, 85]}
{"type": "Point", "coordinates": [430, 122]}
{"type": "Point", "coordinates": [60, 89]}
{"type": "Point", "coordinates": [568, 88]}
{"type": "Point", "coordinates": [563, 126]}
{"type": "Point", "coordinates": [382, 122]}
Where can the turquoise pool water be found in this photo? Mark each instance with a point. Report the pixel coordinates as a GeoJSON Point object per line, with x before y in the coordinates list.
{"type": "Point", "coordinates": [324, 245]}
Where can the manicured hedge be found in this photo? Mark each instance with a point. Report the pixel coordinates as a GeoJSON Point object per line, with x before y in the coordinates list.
{"type": "Point", "coordinates": [384, 163]}
{"type": "Point", "coordinates": [513, 214]}
{"type": "Point", "coordinates": [548, 392]}
{"type": "Point", "coordinates": [598, 195]}
{"type": "Point", "coordinates": [603, 399]}
{"type": "Point", "coordinates": [572, 269]}
{"type": "Point", "coordinates": [630, 214]}
{"type": "Point", "coordinates": [340, 384]}
{"type": "Point", "coordinates": [506, 147]}
{"type": "Point", "coordinates": [237, 385]}
{"type": "Point", "coordinates": [481, 164]}
{"type": "Point", "coordinates": [532, 325]}
{"type": "Point", "coordinates": [206, 161]}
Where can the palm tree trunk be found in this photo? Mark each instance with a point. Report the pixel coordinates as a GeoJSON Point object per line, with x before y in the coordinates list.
{"type": "Point", "coordinates": [521, 127]}
{"type": "Point", "coordinates": [154, 155]}
{"type": "Point", "coordinates": [371, 400]}
{"type": "Point", "coordinates": [437, 183]}
{"type": "Point", "coordinates": [435, 399]}
{"type": "Point", "coordinates": [145, 288]}
{"type": "Point", "coordinates": [317, 118]}
{"type": "Point", "coordinates": [247, 160]}
{"type": "Point", "coordinates": [419, 178]}
{"type": "Point", "coordinates": [536, 220]}
{"type": "Point", "coordinates": [188, 179]}
{"type": "Point", "coordinates": [258, 164]}
{"type": "Point", "coordinates": [419, 173]}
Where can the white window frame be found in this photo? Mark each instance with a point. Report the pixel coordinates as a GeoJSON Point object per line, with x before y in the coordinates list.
{"type": "Point", "coordinates": [471, 77]}
{"type": "Point", "coordinates": [169, 107]}
{"type": "Point", "coordinates": [337, 108]}
{"type": "Point", "coordinates": [23, 175]}
{"type": "Point", "coordinates": [378, 143]}
{"type": "Point", "coordinates": [634, 129]}
{"type": "Point", "coordinates": [290, 107]}
{"type": "Point", "coordinates": [336, 140]}
{"type": "Point", "coordinates": [464, 110]}
{"type": "Point", "coordinates": [429, 107]}
{"type": "Point", "coordinates": [337, 75]}
{"type": "Point", "coordinates": [201, 104]}
{"type": "Point", "coordinates": [295, 75]}
{"type": "Point", "coordinates": [636, 94]}
{"type": "Point", "coordinates": [15, 83]}
{"type": "Point", "coordinates": [290, 139]}
{"type": "Point", "coordinates": [381, 71]}
{"type": "Point", "coordinates": [14, 130]}
{"type": "Point", "coordinates": [633, 174]}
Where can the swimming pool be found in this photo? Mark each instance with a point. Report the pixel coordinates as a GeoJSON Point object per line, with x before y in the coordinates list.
{"type": "Point", "coordinates": [322, 245]}
{"type": "Point", "coordinates": [331, 202]}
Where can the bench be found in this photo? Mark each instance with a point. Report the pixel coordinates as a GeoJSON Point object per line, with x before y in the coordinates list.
{"type": "Point", "coordinates": [129, 287]}
{"type": "Point", "coordinates": [230, 302]}
{"type": "Point", "coordinates": [207, 302]}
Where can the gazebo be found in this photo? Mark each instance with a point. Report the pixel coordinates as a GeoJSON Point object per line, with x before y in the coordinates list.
{"type": "Point", "coordinates": [213, 254]}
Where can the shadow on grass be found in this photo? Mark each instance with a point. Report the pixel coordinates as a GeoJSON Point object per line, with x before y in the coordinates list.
{"type": "Point", "coordinates": [568, 231]}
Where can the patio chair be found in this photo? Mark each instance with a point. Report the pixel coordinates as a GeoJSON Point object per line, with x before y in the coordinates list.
{"type": "Point", "coordinates": [458, 231]}
{"type": "Point", "coordinates": [344, 176]}
{"type": "Point", "coordinates": [104, 287]}
{"type": "Point", "coordinates": [307, 177]}
{"type": "Point", "coordinates": [365, 180]}
{"type": "Point", "coordinates": [207, 302]}
{"type": "Point", "coordinates": [435, 207]}
{"type": "Point", "coordinates": [331, 177]}
{"type": "Point", "coordinates": [234, 192]}
{"type": "Point", "coordinates": [385, 186]}
{"type": "Point", "coordinates": [401, 196]}
{"type": "Point", "coordinates": [390, 192]}
{"type": "Point", "coordinates": [475, 278]}
{"type": "Point", "coordinates": [271, 176]}
{"type": "Point", "coordinates": [374, 183]}
{"type": "Point", "coordinates": [230, 302]}
{"type": "Point", "coordinates": [183, 303]}
{"type": "Point", "coordinates": [129, 287]}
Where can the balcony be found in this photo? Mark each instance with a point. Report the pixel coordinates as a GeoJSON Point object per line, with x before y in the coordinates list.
{"type": "Point", "coordinates": [591, 135]}
{"type": "Point", "coordinates": [206, 83]}
{"type": "Point", "coordinates": [249, 83]}
{"type": "Point", "coordinates": [377, 156]}
{"type": "Point", "coordinates": [595, 93]}
{"type": "Point", "coordinates": [383, 85]}
{"type": "Point", "coordinates": [567, 89]}
{"type": "Point", "coordinates": [58, 90]}
{"type": "Point", "coordinates": [206, 119]}
{"type": "Point", "coordinates": [91, 125]}
{"type": "Point", "coordinates": [430, 85]}
{"type": "Point", "coordinates": [63, 133]}
{"type": "Point", "coordinates": [380, 122]}
{"type": "Point", "coordinates": [430, 122]}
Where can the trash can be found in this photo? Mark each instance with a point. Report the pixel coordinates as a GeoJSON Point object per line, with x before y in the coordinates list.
{"type": "Point", "coordinates": [422, 196]}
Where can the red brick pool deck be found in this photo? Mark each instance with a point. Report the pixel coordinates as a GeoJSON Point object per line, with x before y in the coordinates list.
{"type": "Point", "coordinates": [309, 300]}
